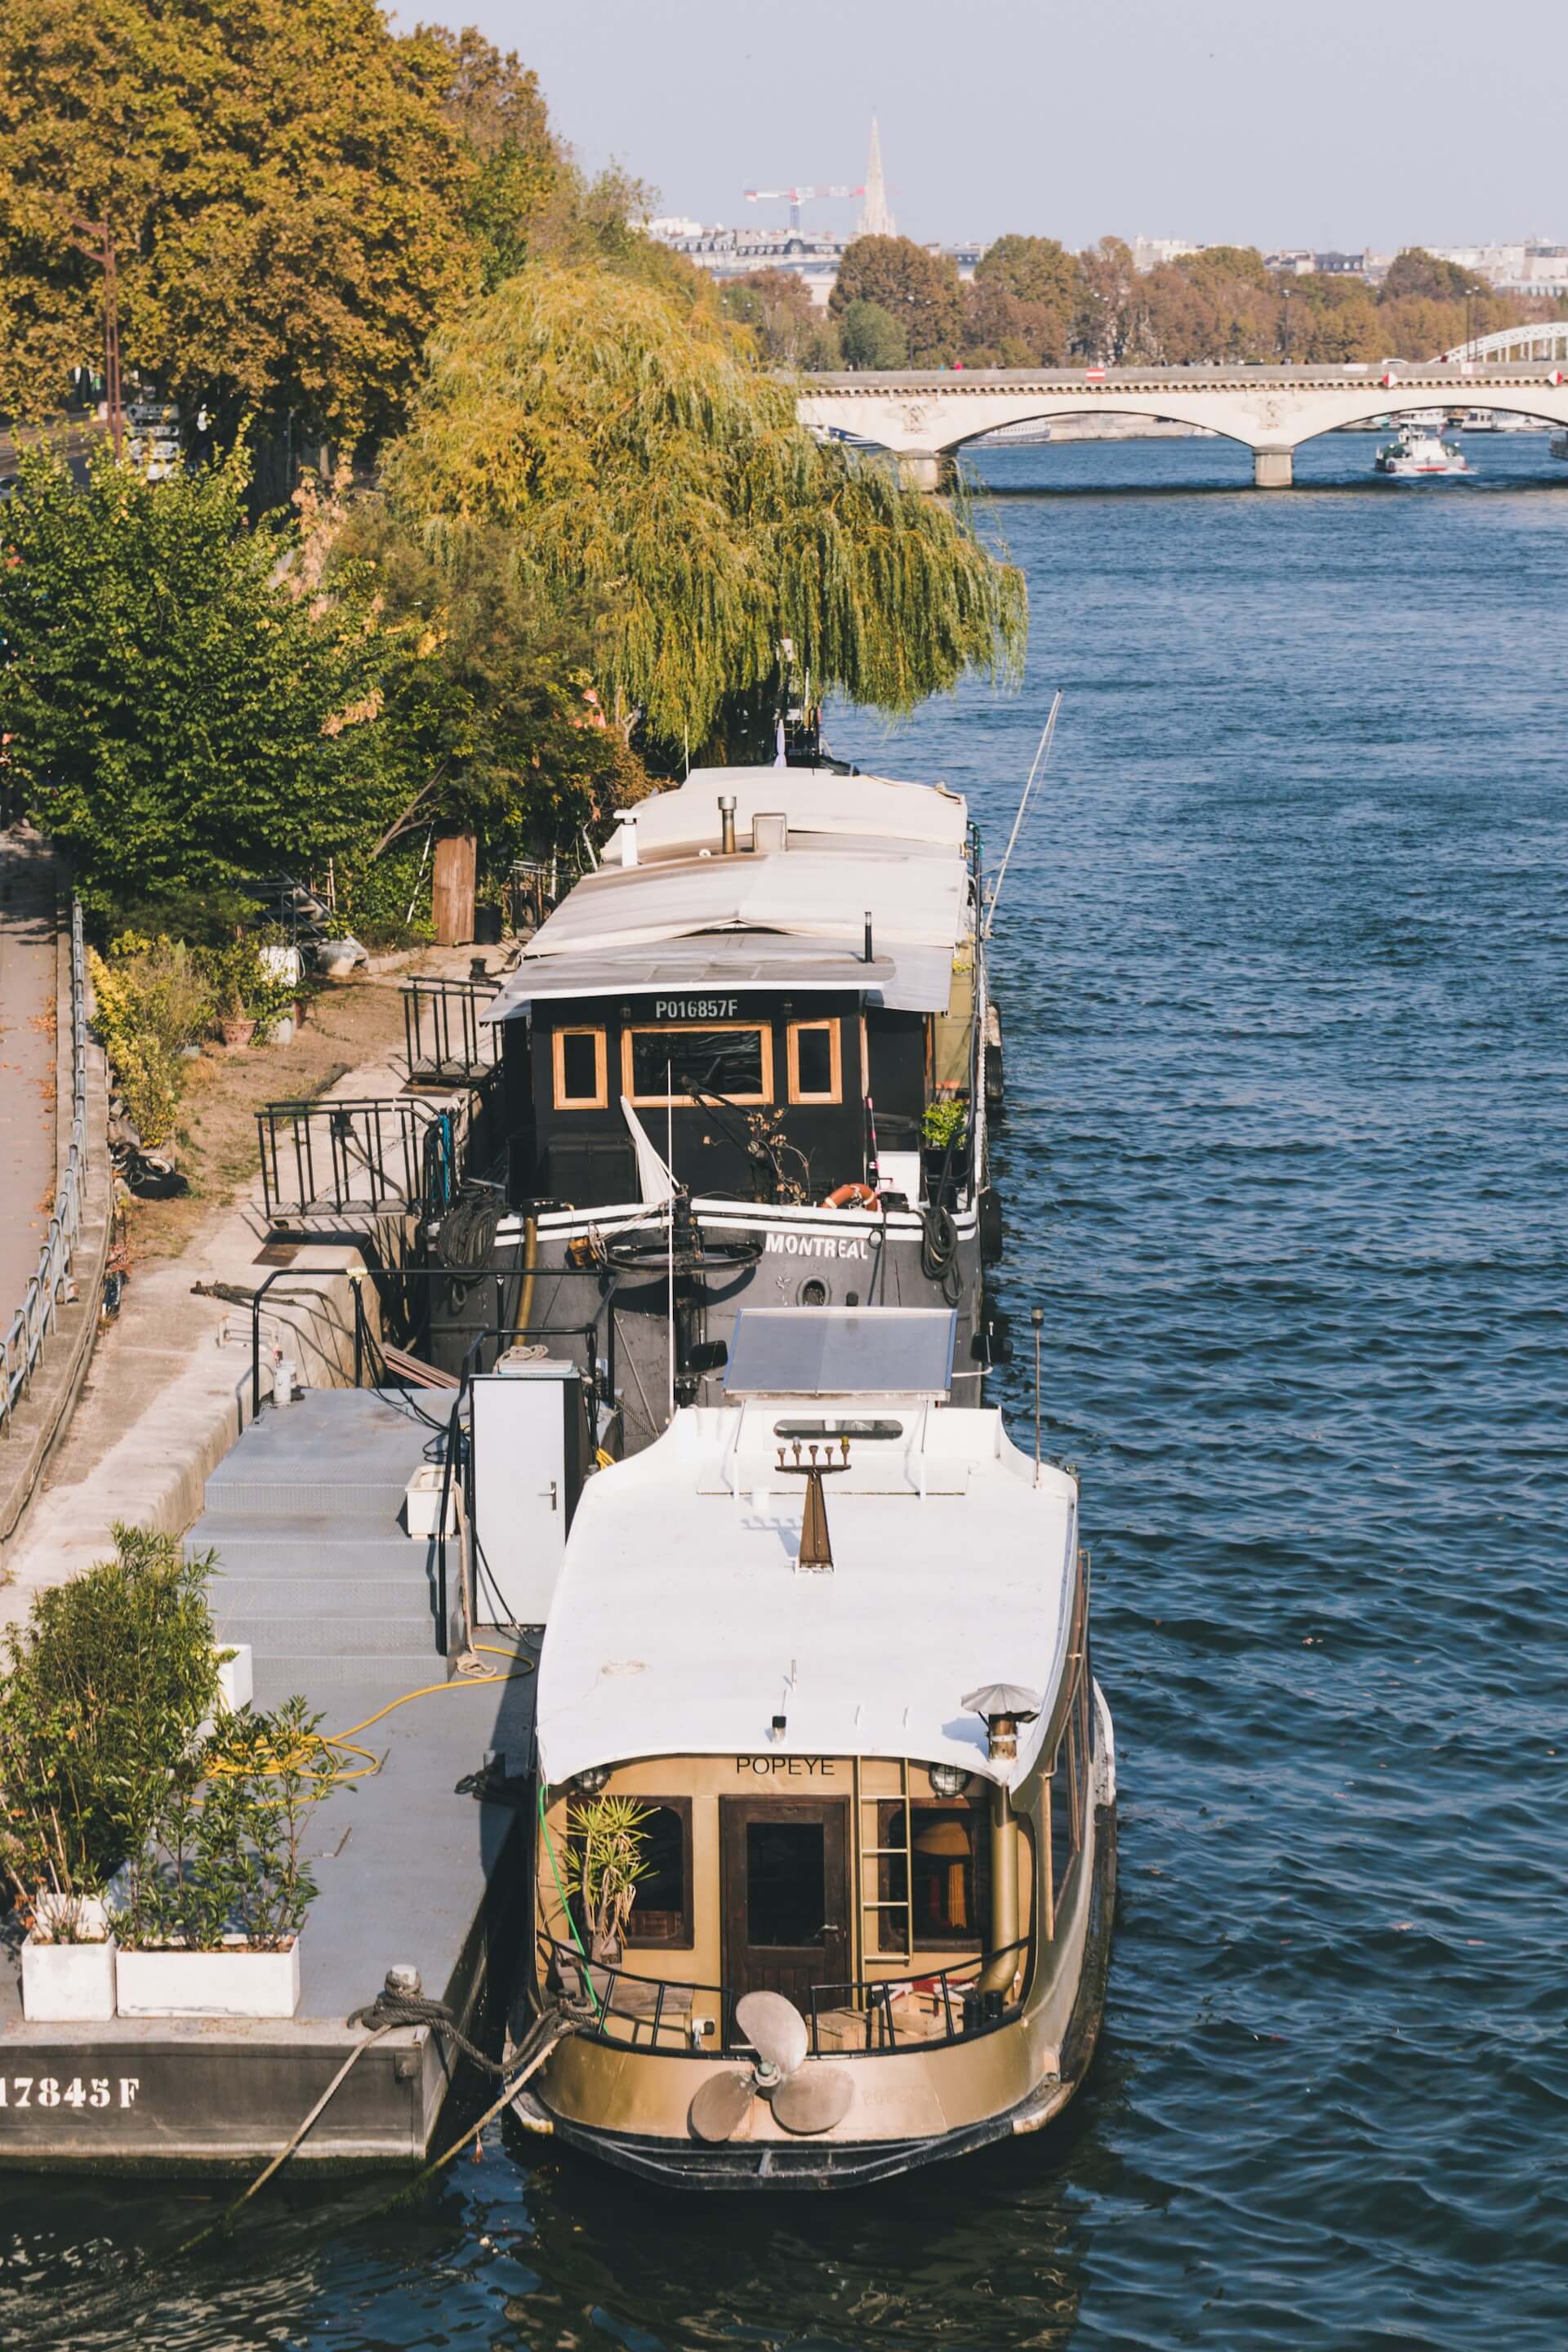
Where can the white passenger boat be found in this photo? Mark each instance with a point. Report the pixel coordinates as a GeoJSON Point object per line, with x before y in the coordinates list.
{"type": "Point", "coordinates": [747, 1061]}
{"type": "Point", "coordinates": [1420, 453]}
{"type": "Point", "coordinates": [831, 1641]}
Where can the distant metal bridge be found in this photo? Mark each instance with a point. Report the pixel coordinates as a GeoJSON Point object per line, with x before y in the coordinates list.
{"type": "Point", "coordinates": [1515, 347]}
{"type": "Point", "coordinates": [923, 416]}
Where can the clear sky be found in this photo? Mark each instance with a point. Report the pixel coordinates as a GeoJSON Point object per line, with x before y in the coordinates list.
{"type": "Point", "coordinates": [1333, 124]}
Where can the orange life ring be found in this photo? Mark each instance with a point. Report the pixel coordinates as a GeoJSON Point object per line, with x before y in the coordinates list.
{"type": "Point", "coordinates": [859, 1196]}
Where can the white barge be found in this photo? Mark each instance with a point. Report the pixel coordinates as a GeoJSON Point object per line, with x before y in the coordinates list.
{"type": "Point", "coordinates": [872, 1777]}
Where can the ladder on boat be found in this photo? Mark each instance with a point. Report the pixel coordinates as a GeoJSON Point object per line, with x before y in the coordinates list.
{"type": "Point", "coordinates": [873, 1906]}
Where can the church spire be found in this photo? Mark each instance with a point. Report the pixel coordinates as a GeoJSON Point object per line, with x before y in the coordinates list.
{"type": "Point", "coordinates": [875, 220]}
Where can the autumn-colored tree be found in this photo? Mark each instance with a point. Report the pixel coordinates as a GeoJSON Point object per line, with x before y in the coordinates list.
{"type": "Point", "coordinates": [1108, 300]}
{"type": "Point", "coordinates": [1025, 302]}
{"type": "Point", "coordinates": [285, 192]}
{"type": "Point", "coordinates": [921, 289]}
{"type": "Point", "coordinates": [648, 480]}
{"type": "Point", "coordinates": [520, 178]}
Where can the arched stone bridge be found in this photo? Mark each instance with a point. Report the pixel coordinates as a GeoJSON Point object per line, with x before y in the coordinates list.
{"type": "Point", "coordinates": [923, 416]}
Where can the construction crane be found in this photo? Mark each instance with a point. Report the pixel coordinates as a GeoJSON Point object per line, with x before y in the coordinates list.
{"type": "Point", "coordinates": [796, 197]}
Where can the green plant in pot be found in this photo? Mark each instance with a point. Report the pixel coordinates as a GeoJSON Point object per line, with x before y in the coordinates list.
{"type": "Point", "coordinates": [101, 1692]}
{"type": "Point", "coordinates": [219, 1891]}
{"type": "Point", "coordinates": [606, 1865]}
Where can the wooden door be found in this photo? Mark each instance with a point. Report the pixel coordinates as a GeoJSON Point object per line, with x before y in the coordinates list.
{"type": "Point", "coordinates": [786, 1894]}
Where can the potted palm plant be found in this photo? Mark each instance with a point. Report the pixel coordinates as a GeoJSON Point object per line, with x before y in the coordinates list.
{"type": "Point", "coordinates": [216, 1900]}
{"type": "Point", "coordinates": [604, 1865]}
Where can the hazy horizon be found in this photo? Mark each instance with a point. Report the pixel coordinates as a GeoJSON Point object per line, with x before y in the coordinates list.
{"type": "Point", "coordinates": [1208, 123]}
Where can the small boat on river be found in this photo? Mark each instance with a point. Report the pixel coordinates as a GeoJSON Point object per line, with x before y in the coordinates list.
{"type": "Point", "coordinates": [828, 1643]}
{"type": "Point", "coordinates": [1419, 454]}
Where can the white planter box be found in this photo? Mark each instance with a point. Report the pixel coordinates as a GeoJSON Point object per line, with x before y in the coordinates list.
{"type": "Point", "coordinates": [235, 1982]}
{"type": "Point", "coordinates": [67, 1983]}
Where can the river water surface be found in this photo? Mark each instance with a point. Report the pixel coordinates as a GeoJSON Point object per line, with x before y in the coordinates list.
{"type": "Point", "coordinates": [1282, 961]}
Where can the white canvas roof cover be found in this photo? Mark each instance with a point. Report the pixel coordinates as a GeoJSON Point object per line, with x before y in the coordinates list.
{"type": "Point", "coordinates": [681, 1626]}
{"type": "Point", "coordinates": [842, 1351]}
{"type": "Point", "coordinates": [729, 960]}
{"type": "Point", "coordinates": [815, 800]}
{"type": "Point", "coordinates": [732, 907]}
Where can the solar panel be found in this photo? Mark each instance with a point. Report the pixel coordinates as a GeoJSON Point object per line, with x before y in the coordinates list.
{"type": "Point", "coordinates": [814, 1351]}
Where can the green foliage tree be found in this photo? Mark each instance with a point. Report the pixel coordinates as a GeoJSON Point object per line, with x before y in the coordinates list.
{"type": "Point", "coordinates": [789, 330]}
{"type": "Point", "coordinates": [286, 193]}
{"type": "Point", "coordinates": [101, 1692]}
{"type": "Point", "coordinates": [651, 483]}
{"type": "Point", "coordinates": [920, 289]}
{"type": "Point", "coordinates": [871, 337]}
{"type": "Point", "coordinates": [493, 695]}
{"type": "Point", "coordinates": [1034, 268]}
{"type": "Point", "coordinates": [1416, 271]}
{"type": "Point", "coordinates": [185, 712]}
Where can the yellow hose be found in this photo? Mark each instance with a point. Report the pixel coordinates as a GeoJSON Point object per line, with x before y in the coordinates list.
{"type": "Point", "coordinates": [302, 1758]}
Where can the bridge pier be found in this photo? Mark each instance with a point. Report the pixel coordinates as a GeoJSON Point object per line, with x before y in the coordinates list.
{"type": "Point", "coordinates": [1273, 469]}
{"type": "Point", "coordinates": [927, 469]}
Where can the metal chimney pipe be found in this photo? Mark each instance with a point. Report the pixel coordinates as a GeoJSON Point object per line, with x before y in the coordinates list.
{"type": "Point", "coordinates": [868, 957]}
{"type": "Point", "coordinates": [726, 825]}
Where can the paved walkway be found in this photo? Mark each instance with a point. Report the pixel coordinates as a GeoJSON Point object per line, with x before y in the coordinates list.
{"type": "Point", "coordinates": [28, 1129]}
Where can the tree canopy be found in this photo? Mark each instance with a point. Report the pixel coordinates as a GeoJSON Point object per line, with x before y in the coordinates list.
{"type": "Point", "coordinates": [184, 714]}
{"type": "Point", "coordinates": [283, 185]}
{"type": "Point", "coordinates": [649, 479]}
{"type": "Point", "coordinates": [921, 289]}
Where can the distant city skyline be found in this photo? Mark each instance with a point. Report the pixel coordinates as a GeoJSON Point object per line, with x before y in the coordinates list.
{"type": "Point", "coordinates": [1210, 123]}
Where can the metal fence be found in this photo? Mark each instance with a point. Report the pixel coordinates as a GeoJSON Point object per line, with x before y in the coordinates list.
{"type": "Point", "coordinates": [34, 1320]}
{"type": "Point", "coordinates": [386, 1157]}
{"type": "Point", "coordinates": [443, 1037]}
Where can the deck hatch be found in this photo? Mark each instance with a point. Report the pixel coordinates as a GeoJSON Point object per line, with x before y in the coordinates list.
{"type": "Point", "coordinates": [842, 1351]}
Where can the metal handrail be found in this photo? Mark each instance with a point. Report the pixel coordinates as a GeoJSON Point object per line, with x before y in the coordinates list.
{"type": "Point", "coordinates": [348, 1158]}
{"type": "Point", "coordinates": [36, 1318]}
{"type": "Point", "coordinates": [873, 1995]}
{"type": "Point", "coordinates": [459, 1045]}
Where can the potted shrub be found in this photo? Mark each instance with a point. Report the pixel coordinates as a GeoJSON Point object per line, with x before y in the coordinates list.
{"type": "Point", "coordinates": [944, 1143]}
{"type": "Point", "coordinates": [101, 1691]}
{"type": "Point", "coordinates": [217, 1897]}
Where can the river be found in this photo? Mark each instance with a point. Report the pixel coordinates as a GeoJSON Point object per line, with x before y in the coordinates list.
{"type": "Point", "coordinates": [1282, 960]}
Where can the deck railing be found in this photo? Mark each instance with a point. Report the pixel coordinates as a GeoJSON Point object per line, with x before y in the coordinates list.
{"type": "Point", "coordinates": [444, 1037]}
{"type": "Point", "coordinates": [864, 2017]}
{"type": "Point", "coordinates": [35, 1318]}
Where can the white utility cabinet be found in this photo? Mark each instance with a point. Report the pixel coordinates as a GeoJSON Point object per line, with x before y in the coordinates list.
{"type": "Point", "coordinates": [530, 1444]}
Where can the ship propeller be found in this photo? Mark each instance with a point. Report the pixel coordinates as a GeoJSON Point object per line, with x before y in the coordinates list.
{"type": "Point", "coordinates": [807, 2097]}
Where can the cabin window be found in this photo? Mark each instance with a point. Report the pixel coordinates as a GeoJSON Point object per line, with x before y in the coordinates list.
{"type": "Point", "coordinates": [580, 1070]}
{"type": "Point", "coordinates": [662, 1912]}
{"type": "Point", "coordinates": [734, 1059]}
{"type": "Point", "coordinates": [947, 1875]}
{"type": "Point", "coordinates": [815, 1063]}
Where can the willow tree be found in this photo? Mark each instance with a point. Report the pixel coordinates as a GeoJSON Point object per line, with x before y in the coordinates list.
{"type": "Point", "coordinates": [648, 477]}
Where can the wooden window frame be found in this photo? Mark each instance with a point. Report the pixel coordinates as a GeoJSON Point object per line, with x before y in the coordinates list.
{"type": "Point", "coordinates": [600, 1099]}
{"type": "Point", "coordinates": [684, 1940]}
{"type": "Point", "coordinates": [834, 1026]}
{"type": "Point", "coordinates": [890, 1815]}
{"type": "Point", "coordinates": [763, 1029]}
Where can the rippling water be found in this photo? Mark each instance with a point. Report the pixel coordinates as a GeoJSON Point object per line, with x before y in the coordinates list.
{"type": "Point", "coordinates": [1282, 960]}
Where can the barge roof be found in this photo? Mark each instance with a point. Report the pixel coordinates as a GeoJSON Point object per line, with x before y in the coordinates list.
{"type": "Point", "coordinates": [681, 1625]}
{"type": "Point", "coordinates": [816, 801]}
{"type": "Point", "coordinates": [776, 919]}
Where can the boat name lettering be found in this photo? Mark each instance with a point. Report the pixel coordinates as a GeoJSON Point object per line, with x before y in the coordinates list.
{"type": "Point", "coordinates": [817, 1244]}
{"type": "Point", "coordinates": [18, 2091]}
{"type": "Point", "coordinates": [694, 1008]}
{"type": "Point", "coordinates": [794, 1768]}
